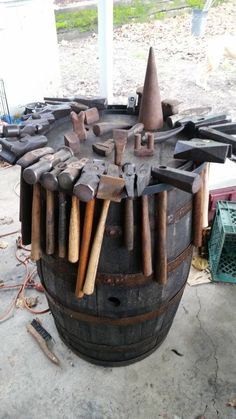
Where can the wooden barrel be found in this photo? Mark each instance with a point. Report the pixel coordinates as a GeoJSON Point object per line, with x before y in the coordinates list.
{"type": "Point", "coordinates": [129, 314]}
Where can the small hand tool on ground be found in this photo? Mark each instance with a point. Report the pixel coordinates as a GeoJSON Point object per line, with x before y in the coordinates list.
{"type": "Point", "coordinates": [144, 151]}
{"type": "Point", "coordinates": [99, 102]}
{"type": "Point", "coordinates": [110, 189]}
{"type": "Point", "coordinates": [182, 179]}
{"type": "Point", "coordinates": [26, 192]}
{"type": "Point", "coordinates": [202, 150]}
{"type": "Point", "coordinates": [129, 176]}
{"type": "Point", "coordinates": [143, 172]}
{"type": "Point", "coordinates": [43, 339]}
{"type": "Point", "coordinates": [216, 135]}
{"type": "Point", "coordinates": [12, 149]}
{"type": "Point", "coordinates": [78, 124]}
{"type": "Point", "coordinates": [104, 148]}
{"type": "Point", "coordinates": [86, 187]}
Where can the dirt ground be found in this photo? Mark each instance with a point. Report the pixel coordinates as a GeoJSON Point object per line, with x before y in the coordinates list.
{"type": "Point", "coordinates": [179, 56]}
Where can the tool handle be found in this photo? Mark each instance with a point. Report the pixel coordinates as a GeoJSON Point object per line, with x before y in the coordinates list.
{"type": "Point", "coordinates": [62, 225]}
{"type": "Point", "coordinates": [50, 223]}
{"type": "Point", "coordinates": [85, 244]}
{"type": "Point", "coordinates": [74, 231]}
{"type": "Point", "coordinates": [36, 251]}
{"type": "Point", "coordinates": [42, 344]}
{"type": "Point", "coordinates": [161, 237]}
{"type": "Point", "coordinates": [146, 238]}
{"type": "Point", "coordinates": [129, 224]}
{"type": "Point", "coordinates": [181, 179]}
{"type": "Point", "coordinates": [96, 250]}
{"type": "Point", "coordinates": [26, 196]}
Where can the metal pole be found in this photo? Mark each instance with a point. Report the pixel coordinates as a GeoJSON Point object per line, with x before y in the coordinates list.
{"type": "Point", "coordinates": [105, 41]}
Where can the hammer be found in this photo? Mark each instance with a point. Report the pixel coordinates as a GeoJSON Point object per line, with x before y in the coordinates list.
{"type": "Point", "coordinates": [110, 189]}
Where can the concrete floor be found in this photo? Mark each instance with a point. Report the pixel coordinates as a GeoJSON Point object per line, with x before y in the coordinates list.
{"type": "Point", "coordinates": [164, 385]}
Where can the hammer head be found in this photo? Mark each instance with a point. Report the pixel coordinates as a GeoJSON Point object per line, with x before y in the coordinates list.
{"type": "Point", "coordinates": [202, 150]}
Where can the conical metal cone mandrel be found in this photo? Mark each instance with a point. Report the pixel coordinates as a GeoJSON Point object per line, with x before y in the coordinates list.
{"type": "Point", "coordinates": [150, 113]}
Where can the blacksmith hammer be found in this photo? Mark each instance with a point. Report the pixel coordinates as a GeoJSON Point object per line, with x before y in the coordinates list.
{"type": "Point", "coordinates": [193, 123]}
{"type": "Point", "coordinates": [202, 150]}
{"type": "Point", "coordinates": [13, 149]}
{"type": "Point", "coordinates": [216, 135]}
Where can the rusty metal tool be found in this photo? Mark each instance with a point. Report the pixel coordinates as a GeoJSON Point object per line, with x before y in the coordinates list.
{"type": "Point", "coordinates": [216, 135]}
{"type": "Point", "coordinates": [104, 148]}
{"type": "Point", "coordinates": [144, 151]}
{"type": "Point", "coordinates": [129, 176]}
{"type": "Point", "coordinates": [13, 149]}
{"type": "Point", "coordinates": [72, 140]}
{"type": "Point", "coordinates": [120, 141]}
{"type": "Point", "coordinates": [99, 102]}
{"type": "Point", "coordinates": [170, 107]}
{"type": "Point", "coordinates": [227, 128]}
{"type": "Point", "coordinates": [198, 120]}
{"type": "Point", "coordinates": [143, 173]}
{"type": "Point", "coordinates": [162, 136]}
{"type": "Point", "coordinates": [111, 184]}
{"type": "Point", "coordinates": [110, 189]}
{"type": "Point", "coordinates": [91, 116]}
{"type": "Point", "coordinates": [186, 181]}
{"type": "Point", "coordinates": [86, 187]}
{"type": "Point", "coordinates": [71, 173]}
{"type": "Point", "coordinates": [161, 238]}
{"type": "Point", "coordinates": [150, 112]}
{"type": "Point", "coordinates": [33, 173]}
{"type": "Point", "coordinates": [78, 124]}
{"type": "Point", "coordinates": [199, 150]}
{"type": "Point", "coordinates": [105, 127]}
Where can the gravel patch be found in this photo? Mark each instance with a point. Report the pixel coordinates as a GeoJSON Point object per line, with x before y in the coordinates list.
{"type": "Point", "coordinates": [179, 56]}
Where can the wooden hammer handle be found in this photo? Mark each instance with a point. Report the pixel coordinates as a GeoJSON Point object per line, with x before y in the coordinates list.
{"type": "Point", "coordinates": [62, 225]}
{"type": "Point", "coordinates": [161, 260]}
{"type": "Point", "coordinates": [74, 231]}
{"type": "Point", "coordinates": [85, 244]}
{"type": "Point", "coordinates": [146, 238]}
{"type": "Point", "coordinates": [96, 250]}
{"type": "Point", "coordinates": [129, 224]}
{"type": "Point", "coordinates": [36, 251]}
{"type": "Point", "coordinates": [50, 223]}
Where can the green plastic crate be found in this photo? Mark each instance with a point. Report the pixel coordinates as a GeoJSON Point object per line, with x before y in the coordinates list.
{"type": "Point", "coordinates": [222, 243]}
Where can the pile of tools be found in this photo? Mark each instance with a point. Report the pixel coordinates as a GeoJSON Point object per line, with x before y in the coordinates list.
{"type": "Point", "coordinates": [61, 187]}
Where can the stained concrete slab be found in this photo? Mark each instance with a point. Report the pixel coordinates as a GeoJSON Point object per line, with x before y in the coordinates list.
{"type": "Point", "coordinates": [191, 374]}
